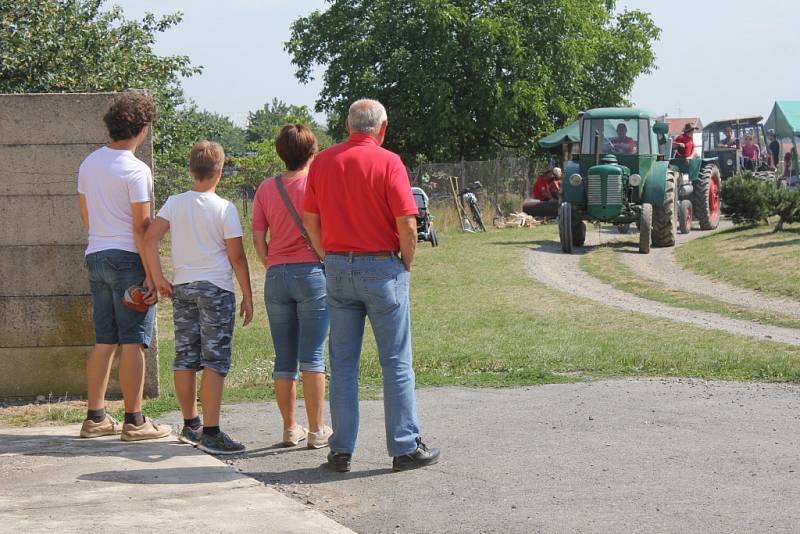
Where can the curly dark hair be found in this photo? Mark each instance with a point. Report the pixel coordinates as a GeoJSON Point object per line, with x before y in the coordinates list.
{"type": "Point", "coordinates": [129, 113]}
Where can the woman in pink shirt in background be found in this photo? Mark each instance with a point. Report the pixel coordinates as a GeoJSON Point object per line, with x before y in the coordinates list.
{"type": "Point", "coordinates": [751, 153]}
{"type": "Point", "coordinates": [294, 291]}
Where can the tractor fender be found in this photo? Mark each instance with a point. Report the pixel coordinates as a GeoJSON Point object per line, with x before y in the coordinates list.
{"type": "Point", "coordinates": [653, 188]}
{"type": "Point", "coordinates": [571, 193]}
{"type": "Point", "coordinates": [705, 161]}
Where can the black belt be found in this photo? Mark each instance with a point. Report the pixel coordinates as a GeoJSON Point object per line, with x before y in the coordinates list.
{"type": "Point", "coordinates": [355, 254]}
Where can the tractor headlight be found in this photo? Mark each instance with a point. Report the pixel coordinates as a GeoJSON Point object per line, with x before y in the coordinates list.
{"type": "Point", "coordinates": [729, 162]}
{"type": "Point", "coordinates": [635, 180]}
{"type": "Point", "coordinates": [575, 180]}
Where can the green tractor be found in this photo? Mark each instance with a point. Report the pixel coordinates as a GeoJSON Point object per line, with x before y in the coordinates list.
{"type": "Point", "coordinates": [723, 139]}
{"type": "Point", "coordinates": [698, 184]}
{"type": "Point", "coordinates": [621, 178]}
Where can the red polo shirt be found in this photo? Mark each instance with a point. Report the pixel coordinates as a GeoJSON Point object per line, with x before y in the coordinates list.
{"type": "Point", "coordinates": [688, 150]}
{"type": "Point", "coordinates": [359, 189]}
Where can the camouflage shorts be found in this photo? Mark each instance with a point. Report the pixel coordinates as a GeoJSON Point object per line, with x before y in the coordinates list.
{"type": "Point", "coordinates": [204, 315]}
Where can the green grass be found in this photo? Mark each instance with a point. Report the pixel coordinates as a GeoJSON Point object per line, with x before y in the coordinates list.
{"type": "Point", "coordinates": [750, 257]}
{"type": "Point", "coordinates": [605, 264]}
{"type": "Point", "coordinates": [479, 320]}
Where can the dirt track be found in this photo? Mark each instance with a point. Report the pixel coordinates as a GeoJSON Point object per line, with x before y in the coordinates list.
{"type": "Point", "coordinates": [660, 265]}
{"type": "Point", "coordinates": [562, 271]}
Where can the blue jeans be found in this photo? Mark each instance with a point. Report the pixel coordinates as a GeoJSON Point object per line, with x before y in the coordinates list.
{"type": "Point", "coordinates": [377, 288]}
{"type": "Point", "coordinates": [111, 272]}
{"type": "Point", "coordinates": [294, 294]}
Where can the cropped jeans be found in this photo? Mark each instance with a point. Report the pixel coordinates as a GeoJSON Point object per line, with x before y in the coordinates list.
{"type": "Point", "coordinates": [361, 287]}
{"type": "Point", "coordinates": [294, 294]}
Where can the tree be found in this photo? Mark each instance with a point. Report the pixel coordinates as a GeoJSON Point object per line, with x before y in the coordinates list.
{"type": "Point", "coordinates": [75, 46]}
{"type": "Point", "coordinates": [194, 124]}
{"type": "Point", "coordinates": [265, 123]}
{"type": "Point", "coordinates": [468, 78]}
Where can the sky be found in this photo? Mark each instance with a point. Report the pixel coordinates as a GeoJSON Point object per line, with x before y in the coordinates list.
{"type": "Point", "coordinates": [716, 58]}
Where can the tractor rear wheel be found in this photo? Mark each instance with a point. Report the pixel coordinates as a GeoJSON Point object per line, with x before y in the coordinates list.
{"type": "Point", "coordinates": [705, 197]}
{"type": "Point", "coordinates": [664, 216]}
{"type": "Point", "coordinates": [685, 216]}
{"type": "Point", "coordinates": [645, 228]}
{"type": "Point", "coordinates": [565, 226]}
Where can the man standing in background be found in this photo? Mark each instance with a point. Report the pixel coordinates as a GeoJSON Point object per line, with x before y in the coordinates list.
{"type": "Point", "coordinates": [360, 214]}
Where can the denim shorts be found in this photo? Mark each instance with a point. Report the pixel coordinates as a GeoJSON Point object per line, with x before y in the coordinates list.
{"type": "Point", "coordinates": [204, 316]}
{"type": "Point", "coordinates": [294, 294]}
{"type": "Point", "coordinates": [111, 272]}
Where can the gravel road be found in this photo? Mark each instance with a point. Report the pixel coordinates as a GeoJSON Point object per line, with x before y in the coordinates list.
{"type": "Point", "coordinates": [660, 265]}
{"type": "Point", "coordinates": [562, 272]}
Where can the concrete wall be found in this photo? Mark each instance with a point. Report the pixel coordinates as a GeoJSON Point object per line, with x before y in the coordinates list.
{"type": "Point", "coordinates": [45, 308]}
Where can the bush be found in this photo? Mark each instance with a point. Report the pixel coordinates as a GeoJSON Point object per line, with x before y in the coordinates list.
{"type": "Point", "coordinates": [786, 205]}
{"type": "Point", "coordinates": [748, 199]}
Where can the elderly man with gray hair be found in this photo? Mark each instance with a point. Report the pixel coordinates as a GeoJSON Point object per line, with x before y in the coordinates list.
{"type": "Point", "coordinates": [360, 215]}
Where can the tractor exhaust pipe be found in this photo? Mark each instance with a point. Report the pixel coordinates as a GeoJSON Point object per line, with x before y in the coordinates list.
{"type": "Point", "coordinates": [597, 147]}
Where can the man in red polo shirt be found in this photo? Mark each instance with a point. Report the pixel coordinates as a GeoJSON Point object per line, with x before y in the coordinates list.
{"type": "Point", "coordinates": [360, 215]}
{"type": "Point", "coordinates": [684, 143]}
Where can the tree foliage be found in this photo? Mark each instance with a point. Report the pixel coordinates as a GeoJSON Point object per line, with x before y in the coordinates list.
{"type": "Point", "coordinates": [78, 46]}
{"type": "Point", "coordinates": [467, 78]}
{"type": "Point", "coordinates": [262, 129]}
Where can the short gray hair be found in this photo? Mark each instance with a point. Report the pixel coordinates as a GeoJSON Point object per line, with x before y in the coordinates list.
{"type": "Point", "coordinates": [366, 116]}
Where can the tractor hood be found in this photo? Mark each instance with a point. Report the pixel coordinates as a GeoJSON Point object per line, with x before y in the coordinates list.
{"type": "Point", "coordinates": [605, 188]}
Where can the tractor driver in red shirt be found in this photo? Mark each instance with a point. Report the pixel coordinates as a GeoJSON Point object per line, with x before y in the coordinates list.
{"type": "Point", "coordinates": [684, 143]}
{"type": "Point", "coordinates": [622, 144]}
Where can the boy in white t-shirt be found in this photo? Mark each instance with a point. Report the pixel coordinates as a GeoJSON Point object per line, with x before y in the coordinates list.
{"type": "Point", "coordinates": [207, 250]}
{"type": "Point", "coordinates": [115, 190]}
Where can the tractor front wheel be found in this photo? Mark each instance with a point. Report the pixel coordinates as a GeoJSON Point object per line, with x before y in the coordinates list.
{"type": "Point", "coordinates": [645, 228]}
{"type": "Point", "coordinates": [565, 227]}
{"type": "Point", "coordinates": [705, 198]}
{"type": "Point", "coordinates": [685, 216]}
{"type": "Point", "coordinates": [664, 215]}
{"type": "Point", "coordinates": [578, 233]}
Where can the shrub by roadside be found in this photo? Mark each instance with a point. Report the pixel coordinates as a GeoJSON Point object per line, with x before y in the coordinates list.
{"type": "Point", "coordinates": [748, 199]}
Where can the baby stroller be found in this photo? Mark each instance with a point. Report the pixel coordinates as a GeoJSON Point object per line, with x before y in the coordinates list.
{"type": "Point", "coordinates": [425, 231]}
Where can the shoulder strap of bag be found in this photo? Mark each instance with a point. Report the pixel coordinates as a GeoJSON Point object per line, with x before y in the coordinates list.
{"type": "Point", "coordinates": [295, 216]}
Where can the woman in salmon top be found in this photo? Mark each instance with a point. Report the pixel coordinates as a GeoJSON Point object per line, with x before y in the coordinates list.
{"type": "Point", "coordinates": [294, 290]}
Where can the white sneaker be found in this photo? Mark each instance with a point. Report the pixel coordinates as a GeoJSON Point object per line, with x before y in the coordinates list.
{"type": "Point", "coordinates": [294, 435]}
{"type": "Point", "coordinates": [317, 440]}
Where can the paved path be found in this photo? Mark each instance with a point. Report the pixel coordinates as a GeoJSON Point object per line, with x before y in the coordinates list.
{"type": "Point", "coordinates": [54, 482]}
{"type": "Point", "coordinates": [605, 456]}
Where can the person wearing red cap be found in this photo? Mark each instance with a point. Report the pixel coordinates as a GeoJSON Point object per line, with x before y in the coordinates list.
{"type": "Point", "coordinates": [684, 143]}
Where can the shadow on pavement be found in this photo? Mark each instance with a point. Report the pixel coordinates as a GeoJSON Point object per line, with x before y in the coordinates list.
{"type": "Point", "coordinates": [314, 475]}
{"type": "Point", "coordinates": [168, 475]}
{"type": "Point", "coordinates": [60, 446]}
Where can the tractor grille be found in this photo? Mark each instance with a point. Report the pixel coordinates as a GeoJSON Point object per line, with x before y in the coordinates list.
{"type": "Point", "coordinates": [613, 190]}
{"type": "Point", "coordinates": [594, 189]}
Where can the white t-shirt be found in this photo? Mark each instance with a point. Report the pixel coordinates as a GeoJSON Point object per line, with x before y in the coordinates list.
{"type": "Point", "coordinates": [112, 180]}
{"type": "Point", "coordinates": [199, 224]}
